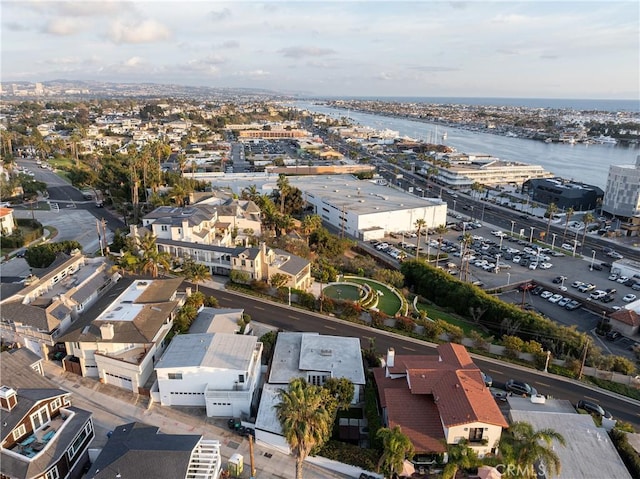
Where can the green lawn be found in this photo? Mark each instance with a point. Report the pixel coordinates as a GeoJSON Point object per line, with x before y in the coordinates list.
{"type": "Point", "coordinates": [388, 302]}
{"type": "Point", "coordinates": [435, 313]}
{"type": "Point", "coordinates": [342, 291]}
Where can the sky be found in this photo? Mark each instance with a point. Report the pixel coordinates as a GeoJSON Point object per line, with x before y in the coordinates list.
{"type": "Point", "coordinates": [537, 49]}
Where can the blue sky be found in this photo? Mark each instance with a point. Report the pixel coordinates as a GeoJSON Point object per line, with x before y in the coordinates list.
{"type": "Point", "coordinates": [538, 49]}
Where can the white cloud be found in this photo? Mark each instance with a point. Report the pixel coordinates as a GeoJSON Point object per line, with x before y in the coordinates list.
{"type": "Point", "coordinates": [62, 26]}
{"type": "Point", "coordinates": [511, 19]}
{"type": "Point", "coordinates": [147, 31]}
{"type": "Point", "coordinates": [300, 52]}
{"type": "Point", "coordinates": [133, 62]}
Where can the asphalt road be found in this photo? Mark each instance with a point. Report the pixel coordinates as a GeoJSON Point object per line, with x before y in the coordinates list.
{"type": "Point", "coordinates": [291, 319]}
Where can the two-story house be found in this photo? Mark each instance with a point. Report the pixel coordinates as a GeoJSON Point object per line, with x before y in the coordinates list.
{"type": "Point", "coordinates": [439, 400]}
{"type": "Point", "coordinates": [43, 435]}
{"type": "Point", "coordinates": [219, 371]}
{"type": "Point", "coordinates": [38, 314]}
{"type": "Point", "coordinates": [315, 358]}
{"type": "Point", "coordinates": [122, 336]}
{"type": "Point", "coordinates": [191, 224]}
{"type": "Point", "coordinates": [137, 450]}
{"type": "Point", "coordinates": [263, 262]}
{"type": "Point", "coordinates": [7, 223]}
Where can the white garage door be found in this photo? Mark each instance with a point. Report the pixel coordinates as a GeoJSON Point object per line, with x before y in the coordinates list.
{"type": "Point", "coordinates": [33, 346]}
{"type": "Point", "coordinates": [219, 408]}
{"type": "Point", "coordinates": [120, 381]}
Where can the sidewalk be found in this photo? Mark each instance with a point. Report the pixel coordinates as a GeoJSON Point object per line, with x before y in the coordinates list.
{"type": "Point", "coordinates": [112, 406]}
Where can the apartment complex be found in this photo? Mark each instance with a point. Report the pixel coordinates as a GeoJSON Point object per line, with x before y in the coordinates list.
{"type": "Point", "coordinates": [622, 194]}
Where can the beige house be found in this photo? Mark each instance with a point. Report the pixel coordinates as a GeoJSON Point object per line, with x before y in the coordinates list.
{"type": "Point", "coordinates": [439, 400]}
{"type": "Point", "coordinates": [7, 223]}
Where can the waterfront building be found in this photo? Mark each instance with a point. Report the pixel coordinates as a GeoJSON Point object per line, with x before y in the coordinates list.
{"type": "Point", "coordinates": [564, 193]}
{"type": "Point", "coordinates": [463, 170]}
{"type": "Point", "coordinates": [274, 134]}
{"type": "Point", "coordinates": [367, 210]}
{"type": "Point", "coordinates": [622, 194]}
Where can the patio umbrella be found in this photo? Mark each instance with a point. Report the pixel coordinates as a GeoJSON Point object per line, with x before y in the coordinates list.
{"type": "Point", "coordinates": [407, 468]}
{"type": "Point", "coordinates": [488, 472]}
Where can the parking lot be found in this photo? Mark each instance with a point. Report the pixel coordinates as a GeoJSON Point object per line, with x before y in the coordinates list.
{"type": "Point", "coordinates": [496, 260]}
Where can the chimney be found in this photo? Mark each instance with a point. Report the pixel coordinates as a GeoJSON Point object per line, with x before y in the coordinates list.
{"type": "Point", "coordinates": [106, 331]}
{"type": "Point", "coordinates": [133, 230]}
{"type": "Point", "coordinates": [391, 357]}
{"type": "Point", "coordinates": [8, 398]}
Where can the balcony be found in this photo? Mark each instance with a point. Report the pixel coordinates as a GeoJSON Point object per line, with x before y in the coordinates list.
{"type": "Point", "coordinates": [32, 445]}
{"type": "Point", "coordinates": [132, 356]}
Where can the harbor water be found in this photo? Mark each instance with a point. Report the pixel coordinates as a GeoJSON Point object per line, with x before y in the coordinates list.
{"type": "Point", "coordinates": [580, 162]}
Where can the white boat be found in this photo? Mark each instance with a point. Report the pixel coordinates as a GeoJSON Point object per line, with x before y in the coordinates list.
{"type": "Point", "coordinates": [605, 140]}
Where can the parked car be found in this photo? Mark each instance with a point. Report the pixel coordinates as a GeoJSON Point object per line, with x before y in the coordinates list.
{"type": "Point", "coordinates": [555, 298]}
{"type": "Point", "coordinates": [527, 286]}
{"type": "Point", "coordinates": [573, 305]}
{"type": "Point", "coordinates": [585, 288]}
{"type": "Point", "coordinates": [537, 290]}
{"type": "Point", "coordinates": [576, 284]}
{"type": "Point", "coordinates": [488, 380]}
{"type": "Point", "coordinates": [593, 408]}
{"type": "Point", "coordinates": [598, 294]}
{"type": "Point", "coordinates": [629, 297]}
{"type": "Point", "coordinates": [595, 266]}
{"type": "Point", "coordinates": [519, 387]}
{"type": "Point", "coordinates": [563, 302]}
{"type": "Point", "coordinates": [613, 277]}
{"type": "Point", "coordinates": [558, 279]}
{"type": "Point", "coordinates": [622, 279]}
{"type": "Point", "coordinates": [613, 335]}
{"type": "Point", "coordinates": [546, 294]}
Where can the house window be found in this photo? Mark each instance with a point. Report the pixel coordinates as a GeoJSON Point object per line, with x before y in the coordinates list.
{"type": "Point", "coordinates": [19, 432]}
{"type": "Point", "coordinates": [240, 378]}
{"type": "Point", "coordinates": [475, 434]}
{"type": "Point", "coordinates": [55, 404]}
{"type": "Point", "coordinates": [80, 438]}
{"type": "Point", "coordinates": [163, 228]}
{"type": "Point", "coordinates": [175, 375]}
{"type": "Point", "coordinates": [52, 473]}
{"type": "Point", "coordinates": [40, 418]}
{"type": "Point", "coordinates": [244, 263]}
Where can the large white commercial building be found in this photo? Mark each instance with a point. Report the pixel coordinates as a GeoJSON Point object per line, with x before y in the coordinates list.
{"type": "Point", "coordinates": [365, 209]}
{"type": "Point", "coordinates": [622, 194]}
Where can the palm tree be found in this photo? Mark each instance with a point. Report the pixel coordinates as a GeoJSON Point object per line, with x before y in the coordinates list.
{"type": "Point", "coordinates": [587, 219]}
{"type": "Point", "coordinates": [531, 450]}
{"type": "Point", "coordinates": [478, 188]}
{"type": "Point", "coordinates": [460, 456]}
{"type": "Point", "coordinates": [195, 272]}
{"type": "Point", "coordinates": [396, 447]}
{"type": "Point", "coordinates": [284, 188]}
{"type": "Point", "coordinates": [551, 210]}
{"type": "Point", "coordinates": [310, 223]}
{"type": "Point", "coordinates": [570, 212]}
{"type": "Point", "coordinates": [419, 225]}
{"type": "Point", "coordinates": [305, 416]}
{"type": "Point", "coordinates": [441, 229]}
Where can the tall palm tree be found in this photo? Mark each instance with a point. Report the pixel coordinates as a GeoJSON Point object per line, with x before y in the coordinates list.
{"type": "Point", "coordinates": [531, 450]}
{"type": "Point", "coordinates": [552, 209]}
{"type": "Point", "coordinates": [570, 212]}
{"type": "Point", "coordinates": [304, 412]}
{"type": "Point", "coordinates": [460, 456]}
{"type": "Point", "coordinates": [195, 272]}
{"type": "Point", "coordinates": [420, 223]}
{"type": "Point", "coordinates": [396, 447]}
{"type": "Point", "coordinates": [283, 188]}
{"type": "Point", "coordinates": [310, 223]}
{"type": "Point", "coordinates": [587, 219]}
{"type": "Point", "coordinates": [441, 229]}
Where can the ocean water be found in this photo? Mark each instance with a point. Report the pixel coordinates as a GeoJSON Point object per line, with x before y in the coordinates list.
{"type": "Point", "coordinates": [552, 103]}
{"type": "Point", "coordinates": [585, 163]}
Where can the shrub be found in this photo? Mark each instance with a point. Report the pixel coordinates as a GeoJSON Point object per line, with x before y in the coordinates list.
{"type": "Point", "coordinates": [513, 345]}
{"type": "Point", "coordinates": [432, 329]}
{"type": "Point", "coordinates": [627, 453]}
{"type": "Point", "coordinates": [371, 413]}
{"type": "Point", "coordinates": [366, 459]}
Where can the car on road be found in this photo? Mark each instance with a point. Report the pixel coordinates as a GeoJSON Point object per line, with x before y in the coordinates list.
{"type": "Point", "coordinates": [567, 246]}
{"type": "Point", "coordinates": [593, 408]}
{"type": "Point", "coordinates": [520, 387]}
{"type": "Point", "coordinates": [488, 380]}
{"type": "Point", "coordinates": [555, 298]}
{"type": "Point", "coordinates": [558, 279]}
{"type": "Point", "coordinates": [629, 297]}
{"type": "Point", "coordinates": [615, 254]}
{"type": "Point", "coordinates": [595, 266]}
{"type": "Point", "coordinates": [545, 265]}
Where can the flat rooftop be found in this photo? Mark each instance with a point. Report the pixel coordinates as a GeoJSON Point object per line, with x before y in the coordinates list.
{"type": "Point", "coordinates": [297, 353]}
{"type": "Point", "coordinates": [212, 350]}
{"type": "Point", "coordinates": [360, 196]}
{"type": "Point", "coordinates": [588, 454]}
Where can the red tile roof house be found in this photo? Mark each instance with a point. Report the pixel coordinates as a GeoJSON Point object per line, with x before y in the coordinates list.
{"type": "Point", "coordinates": [626, 321]}
{"type": "Point", "coordinates": [437, 400]}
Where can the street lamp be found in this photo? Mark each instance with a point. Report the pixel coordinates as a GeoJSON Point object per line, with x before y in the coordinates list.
{"type": "Point", "coordinates": [289, 295]}
{"type": "Point", "coordinates": [553, 243]}
{"type": "Point", "coordinates": [531, 235]}
{"type": "Point", "coordinates": [497, 263]}
{"type": "Point", "coordinates": [593, 258]}
{"type": "Point", "coordinates": [454, 206]}
{"type": "Point", "coordinates": [513, 224]}
{"type": "Point", "coordinates": [546, 364]}
{"type": "Point", "coordinates": [575, 245]}
{"type": "Point", "coordinates": [562, 278]}
{"type": "Point", "coordinates": [482, 219]}
{"type": "Point", "coordinates": [508, 278]}
{"type": "Point", "coordinates": [501, 238]}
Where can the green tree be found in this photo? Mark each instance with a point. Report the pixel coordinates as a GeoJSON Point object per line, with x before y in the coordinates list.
{"type": "Point", "coordinates": [278, 280]}
{"type": "Point", "coordinates": [532, 451]}
{"type": "Point", "coordinates": [283, 189]}
{"type": "Point", "coordinates": [305, 416]}
{"type": "Point", "coordinates": [460, 456]}
{"type": "Point", "coordinates": [587, 219]}
{"type": "Point", "coordinates": [341, 389]}
{"type": "Point", "coordinates": [552, 209]}
{"type": "Point", "coordinates": [420, 223]}
{"type": "Point", "coordinates": [396, 447]}
{"type": "Point", "coordinates": [195, 272]}
{"type": "Point", "coordinates": [570, 212]}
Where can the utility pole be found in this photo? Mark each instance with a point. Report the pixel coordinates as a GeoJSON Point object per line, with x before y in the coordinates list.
{"type": "Point", "coordinates": [584, 356]}
{"type": "Point", "coordinates": [99, 237]}
{"type": "Point", "coordinates": [103, 222]}
{"type": "Point", "coordinates": [253, 468]}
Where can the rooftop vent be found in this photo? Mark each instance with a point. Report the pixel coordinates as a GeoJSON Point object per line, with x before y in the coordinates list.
{"type": "Point", "coordinates": [326, 352]}
{"type": "Point", "coordinates": [8, 398]}
{"type": "Point", "coordinates": [106, 331]}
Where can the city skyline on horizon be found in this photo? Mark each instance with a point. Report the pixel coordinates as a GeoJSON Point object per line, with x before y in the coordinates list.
{"type": "Point", "coordinates": [581, 50]}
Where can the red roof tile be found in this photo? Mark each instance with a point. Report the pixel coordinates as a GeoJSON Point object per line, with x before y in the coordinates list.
{"type": "Point", "coordinates": [418, 417]}
{"type": "Point", "coordinates": [626, 316]}
{"type": "Point", "coordinates": [455, 354]}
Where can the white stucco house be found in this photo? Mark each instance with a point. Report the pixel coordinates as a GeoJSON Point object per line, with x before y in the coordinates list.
{"type": "Point", "coordinates": [315, 358]}
{"type": "Point", "coordinates": [123, 335]}
{"type": "Point", "coordinates": [219, 371]}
